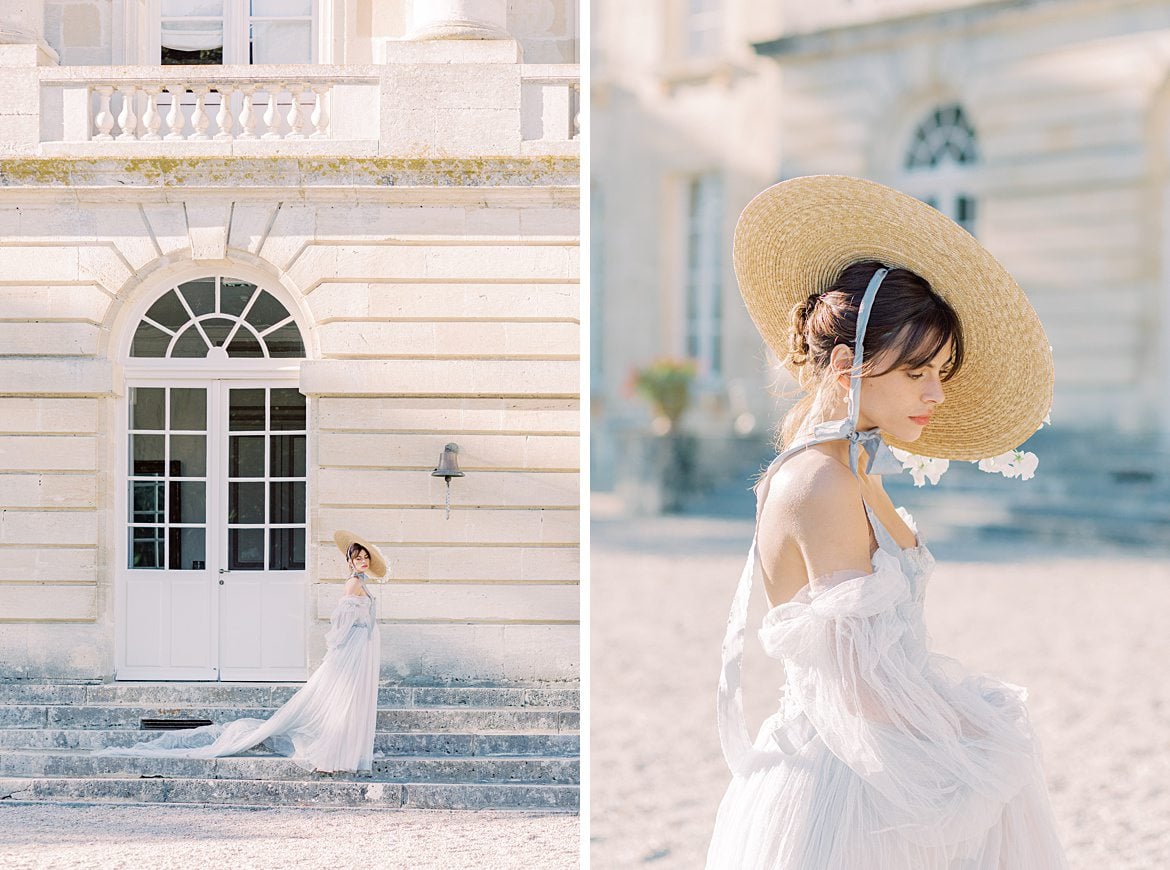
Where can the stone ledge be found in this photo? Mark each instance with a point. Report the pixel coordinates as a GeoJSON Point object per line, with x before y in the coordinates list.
{"type": "Point", "coordinates": [299, 173]}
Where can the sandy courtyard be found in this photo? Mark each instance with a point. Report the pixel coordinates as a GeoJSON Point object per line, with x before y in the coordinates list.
{"type": "Point", "coordinates": [46, 837]}
{"type": "Point", "coordinates": [1086, 634]}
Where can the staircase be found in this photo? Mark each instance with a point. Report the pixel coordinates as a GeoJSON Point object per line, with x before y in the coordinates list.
{"type": "Point", "coordinates": [510, 746]}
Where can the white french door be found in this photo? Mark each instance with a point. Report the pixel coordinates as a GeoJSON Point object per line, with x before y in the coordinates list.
{"type": "Point", "coordinates": [214, 581]}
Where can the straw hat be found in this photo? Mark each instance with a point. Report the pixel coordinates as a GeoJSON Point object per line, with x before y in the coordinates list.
{"type": "Point", "coordinates": [796, 237]}
{"type": "Point", "coordinates": [343, 539]}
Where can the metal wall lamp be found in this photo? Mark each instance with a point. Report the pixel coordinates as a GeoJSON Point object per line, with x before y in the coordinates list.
{"type": "Point", "coordinates": [448, 468]}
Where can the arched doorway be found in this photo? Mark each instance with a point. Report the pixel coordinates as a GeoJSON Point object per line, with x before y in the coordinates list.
{"type": "Point", "coordinates": [212, 579]}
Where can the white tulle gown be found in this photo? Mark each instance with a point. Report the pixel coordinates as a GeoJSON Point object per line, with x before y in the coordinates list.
{"type": "Point", "coordinates": [882, 756]}
{"type": "Point", "coordinates": [328, 725]}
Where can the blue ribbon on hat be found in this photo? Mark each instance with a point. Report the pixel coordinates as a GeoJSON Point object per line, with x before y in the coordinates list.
{"type": "Point", "coordinates": [880, 459]}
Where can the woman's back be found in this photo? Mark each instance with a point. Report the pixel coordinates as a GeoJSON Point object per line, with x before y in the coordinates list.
{"type": "Point", "coordinates": [813, 524]}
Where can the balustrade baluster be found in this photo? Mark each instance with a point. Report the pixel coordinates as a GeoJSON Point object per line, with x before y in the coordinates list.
{"type": "Point", "coordinates": [176, 121]}
{"type": "Point", "coordinates": [127, 118]}
{"type": "Point", "coordinates": [103, 121]}
{"type": "Point", "coordinates": [320, 116]}
{"type": "Point", "coordinates": [247, 115]}
{"type": "Point", "coordinates": [223, 118]}
{"type": "Point", "coordinates": [199, 120]}
{"type": "Point", "coordinates": [295, 116]}
{"type": "Point", "coordinates": [150, 117]}
{"type": "Point", "coordinates": [271, 118]}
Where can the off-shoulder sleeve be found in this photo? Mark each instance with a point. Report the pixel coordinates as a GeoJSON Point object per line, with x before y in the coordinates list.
{"type": "Point", "coordinates": [345, 617]}
{"type": "Point", "coordinates": [941, 757]}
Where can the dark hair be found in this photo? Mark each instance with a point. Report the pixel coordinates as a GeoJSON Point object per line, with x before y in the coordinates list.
{"type": "Point", "coordinates": [908, 325]}
{"type": "Point", "coordinates": [354, 549]}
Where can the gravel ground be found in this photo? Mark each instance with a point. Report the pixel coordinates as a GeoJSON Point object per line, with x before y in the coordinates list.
{"type": "Point", "coordinates": [1085, 632]}
{"type": "Point", "coordinates": [173, 837]}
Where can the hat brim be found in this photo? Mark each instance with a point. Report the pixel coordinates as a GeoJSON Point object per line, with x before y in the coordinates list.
{"type": "Point", "coordinates": [795, 238]}
{"type": "Point", "coordinates": [344, 539]}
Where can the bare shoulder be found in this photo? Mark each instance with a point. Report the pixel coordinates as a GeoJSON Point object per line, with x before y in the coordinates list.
{"type": "Point", "coordinates": [353, 586]}
{"type": "Point", "coordinates": [812, 488]}
{"type": "Point", "coordinates": [816, 501]}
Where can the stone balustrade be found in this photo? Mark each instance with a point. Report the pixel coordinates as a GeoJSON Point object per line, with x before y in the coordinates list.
{"type": "Point", "coordinates": [422, 108]}
{"type": "Point", "coordinates": [551, 104]}
{"type": "Point", "coordinates": [197, 104]}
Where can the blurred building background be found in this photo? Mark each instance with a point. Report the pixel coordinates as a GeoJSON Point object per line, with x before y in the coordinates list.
{"type": "Point", "coordinates": [1043, 126]}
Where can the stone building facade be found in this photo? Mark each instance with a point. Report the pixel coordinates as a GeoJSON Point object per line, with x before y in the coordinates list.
{"type": "Point", "coordinates": [1041, 126]}
{"type": "Point", "coordinates": [255, 273]}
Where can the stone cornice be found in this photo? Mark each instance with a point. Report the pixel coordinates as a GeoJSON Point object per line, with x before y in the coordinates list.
{"type": "Point", "coordinates": [376, 178]}
{"type": "Point", "coordinates": [879, 34]}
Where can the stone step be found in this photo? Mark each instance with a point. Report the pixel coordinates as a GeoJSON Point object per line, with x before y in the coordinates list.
{"type": "Point", "coordinates": [289, 793]}
{"type": "Point", "coordinates": [268, 695]}
{"type": "Point", "coordinates": [407, 719]}
{"type": "Point", "coordinates": [486, 769]}
{"type": "Point", "coordinates": [385, 742]}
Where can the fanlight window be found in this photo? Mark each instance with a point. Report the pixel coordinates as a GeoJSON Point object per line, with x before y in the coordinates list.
{"type": "Point", "coordinates": [234, 317]}
{"type": "Point", "coordinates": [944, 135]}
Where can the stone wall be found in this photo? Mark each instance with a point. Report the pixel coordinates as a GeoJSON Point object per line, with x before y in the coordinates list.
{"type": "Point", "coordinates": [435, 314]}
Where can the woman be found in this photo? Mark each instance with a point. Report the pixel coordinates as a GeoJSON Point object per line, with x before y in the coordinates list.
{"type": "Point", "coordinates": [882, 756]}
{"type": "Point", "coordinates": [328, 725]}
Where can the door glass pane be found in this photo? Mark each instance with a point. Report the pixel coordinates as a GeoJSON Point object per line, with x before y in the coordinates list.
{"type": "Point", "coordinates": [288, 456]}
{"type": "Point", "coordinates": [233, 296]}
{"type": "Point", "coordinates": [188, 502]}
{"type": "Point", "coordinates": [189, 409]}
{"type": "Point", "coordinates": [282, 42]}
{"type": "Point", "coordinates": [246, 410]}
{"type": "Point", "coordinates": [277, 8]}
{"type": "Point", "coordinates": [149, 341]}
{"type": "Point", "coordinates": [218, 329]}
{"type": "Point", "coordinates": [187, 547]}
{"type": "Point", "coordinates": [146, 547]}
{"type": "Point", "coordinates": [246, 502]}
{"type": "Point", "coordinates": [266, 312]}
{"type": "Point", "coordinates": [287, 502]}
{"type": "Point", "coordinates": [187, 8]}
{"type": "Point", "coordinates": [190, 345]}
{"type": "Point", "coordinates": [285, 342]}
{"type": "Point", "coordinates": [146, 453]}
{"type": "Point", "coordinates": [246, 549]}
{"type": "Point", "coordinates": [188, 455]}
{"type": "Point", "coordinates": [245, 345]}
{"type": "Point", "coordinates": [200, 296]}
{"type": "Point", "coordinates": [146, 501]}
{"type": "Point", "coordinates": [246, 456]}
{"type": "Point", "coordinates": [288, 409]}
{"type": "Point", "coordinates": [146, 407]}
{"type": "Point", "coordinates": [287, 550]}
{"type": "Point", "coordinates": [168, 311]}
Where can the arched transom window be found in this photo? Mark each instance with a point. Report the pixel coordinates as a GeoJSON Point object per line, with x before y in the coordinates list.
{"type": "Point", "coordinates": [217, 318]}
{"type": "Point", "coordinates": [938, 163]}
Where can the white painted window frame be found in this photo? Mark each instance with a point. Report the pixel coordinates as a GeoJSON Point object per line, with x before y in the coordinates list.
{"type": "Point", "coordinates": [142, 35]}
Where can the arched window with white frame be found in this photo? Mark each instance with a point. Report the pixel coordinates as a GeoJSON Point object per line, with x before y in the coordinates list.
{"type": "Point", "coordinates": [938, 164]}
{"type": "Point", "coordinates": [234, 32]}
{"type": "Point", "coordinates": [212, 576]}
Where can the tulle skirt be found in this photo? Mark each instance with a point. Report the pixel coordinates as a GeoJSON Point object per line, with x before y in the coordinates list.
{"type": "Point", "coordinates": [328, 725]}
{"type": "Point", "coordinates": [802, 808]}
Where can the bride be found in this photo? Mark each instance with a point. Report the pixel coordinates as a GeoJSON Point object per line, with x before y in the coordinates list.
{"type": "Point", "coordinates": [882, 756]}
{"type": "Point", "coordinates": [328, 725]}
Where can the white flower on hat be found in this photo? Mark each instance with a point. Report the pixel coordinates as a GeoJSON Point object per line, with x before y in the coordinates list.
{"type": "Point", "coordinates": [1014, 463]}
{"type": "Point", "coordinates": [922, 468]}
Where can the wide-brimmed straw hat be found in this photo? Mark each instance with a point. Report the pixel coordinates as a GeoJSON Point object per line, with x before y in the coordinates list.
{"type": "Point", "coordinates": [344, 539]}
{"type": "Point", "coordinates": [796, 238]}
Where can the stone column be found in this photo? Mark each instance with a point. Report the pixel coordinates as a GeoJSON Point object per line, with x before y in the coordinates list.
{"type": "Point", "coordinates": [458, 19]}
{"type": "Point", "coordinates": [22, 22]}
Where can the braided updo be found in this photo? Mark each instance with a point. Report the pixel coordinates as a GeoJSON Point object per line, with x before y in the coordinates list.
{"type": "Point", "coordinates": [908, 325]}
